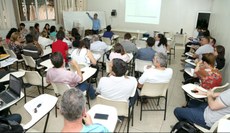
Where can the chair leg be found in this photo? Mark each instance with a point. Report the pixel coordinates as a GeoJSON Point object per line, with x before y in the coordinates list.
{"type": "Point", "coordinates": [141, 110]}
{"type": "Point", "coordinates": [165, 104]}
{"type": "Point", "coordinates": [128, 120]}
{"type": "Point", "coordinates": [56, 110]}
{"type": "Point", "coordinates": [158, 101]}
{"type": "Point", "coordinates": [24, 93]}
{"type": "Point", "coordinates": [38, 90]}
{"type": "Point", "coordinates": [47, 118]}
{"type": "Point", "coordinates": [132, 114]}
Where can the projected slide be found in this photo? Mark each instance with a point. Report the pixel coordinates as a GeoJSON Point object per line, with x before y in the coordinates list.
{"type": "Point", "coordinates": [143, 11]}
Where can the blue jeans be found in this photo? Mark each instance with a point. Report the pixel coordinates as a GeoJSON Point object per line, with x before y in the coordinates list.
{"type": "Point", "coordinates": [194, 113]}
{"type": "Point", "coordinates": [87, 87]}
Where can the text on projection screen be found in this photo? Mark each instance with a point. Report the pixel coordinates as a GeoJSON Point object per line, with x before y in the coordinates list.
{"type": "Point", "coordinates": [143, 11]}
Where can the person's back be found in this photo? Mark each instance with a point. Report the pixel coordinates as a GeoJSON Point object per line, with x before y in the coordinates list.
{"type": "Point", "coordinates": [97, 45]}
{"type": "Point", "coordinates": [147, 53]}
{"type": "Point", "coordinates": [43, 40]}
{"type": "Point", "coordinates": [30, 49]}
{"type": "Point", "coordinates": [108, 33]}
{"type": "Point", "coordinates": [128, 46]}
{"type": "Point", "coordinates": [80, 55]}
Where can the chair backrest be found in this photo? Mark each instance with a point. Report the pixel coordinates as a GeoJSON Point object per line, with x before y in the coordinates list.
{"type": "Point", "coordinates": [106, 40]}
{"type": "Point", "coordinates": [60, 88]}
{"type": "Point", "coordinates": [122, 106]}
{"type": "Point", "coordinates": [5, 46]}
{"type": "Point", "coordinates": [11, 53]}
{"type": "Point", "coordinates": [73, 68]}
{"type": "Point", "coordinates": [220, 88]}
{"type": "Point", "coordinates": [139, 64]}
{"type": "Point", "coordinates": [154, 89]}
{"type": "Point", "coordinates": [33, 77]}
{"type": "Point", "coordinates": [29, 61]}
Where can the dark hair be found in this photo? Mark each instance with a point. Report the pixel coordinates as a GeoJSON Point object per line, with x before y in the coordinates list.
{"type": "Point", "coordinates": [150, 41]}
{"type": "Point", "coordinates": [76, 42]}
{"type": "Point", "coordinates": [29, 38]}
{"type": "Point", "coordinates": [118, 48]}
{"type": "Point", "coordinates": [85, 43]}
{"type": "Point", "coordinates": [36, 25]}
{"type": "Point", "coordinates": [209, 58]}
{"type": "Point", "coordinates": [163, 40]}
{"type": "Point", "coordinates": [22, 24]}
{"type": "Point", "coordinates": [61, 28]}
{"type": "Point", "coordinates": [221, 51]}
{"type": "Point", "coordinates": [46, 25]}
{"type": "Point", "coordinates": [108, 28]}
{"type": "Point", "coordinates": [127, 36]}
{"type": "Point", "coordinates": [60, 35]}
{"type": "Point", "coordinates": [74, 32]}
{"type": "Point", "coordinates": [214, 40]}
{"type": "Point", "coordinates": [119, 67]}
{"type": "Point", "coordinates": [52, 28]}
{"type": "Point", "coordinates": [207, 37]}
{"type": "Point", "coordinates": [57, 59]}
{"type": "Point", "coordinates": [12, 30]}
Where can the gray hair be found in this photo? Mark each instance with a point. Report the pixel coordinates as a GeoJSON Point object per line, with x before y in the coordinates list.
{"type": "Point", "coordinates": [95, 38]}
{"type": "Point", "coordinates": [72, 104]}
{"type": "Point", "coordinates": [162, 59]}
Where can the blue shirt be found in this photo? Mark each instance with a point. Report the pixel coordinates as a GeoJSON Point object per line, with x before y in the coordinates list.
{"type": "Point", "coordinates": [96, 23]}
{"type": "Point", "coordinates": [96, 128]}
{"type": "Point", "coordinates": [145, 54]}
{"type": "Point", "coordinates": [108, 34]}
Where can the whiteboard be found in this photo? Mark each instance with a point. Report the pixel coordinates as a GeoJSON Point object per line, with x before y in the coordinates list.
{"type": "Point", "coordinates": [71, 18]}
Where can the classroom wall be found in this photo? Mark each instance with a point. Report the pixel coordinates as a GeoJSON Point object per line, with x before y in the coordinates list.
{"type": "Point", "coordinates": [220, 29]}
{"type": "Point", "coordinates": [175, 14]}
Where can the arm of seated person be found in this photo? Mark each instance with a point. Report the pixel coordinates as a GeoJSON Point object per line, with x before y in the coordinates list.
{"type": "Point", "coordinates": [77, 68]}
{"type": "Point", "coordinates": [91, 58]}
{"type": "Point", "coordinates": [213, 102]}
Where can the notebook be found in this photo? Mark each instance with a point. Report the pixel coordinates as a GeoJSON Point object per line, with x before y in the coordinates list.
{"type": "Point", "coordinates": [14, 91]}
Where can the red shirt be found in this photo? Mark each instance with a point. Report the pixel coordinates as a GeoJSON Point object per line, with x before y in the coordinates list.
{"type": "Point", "coordinates": [60, 46]}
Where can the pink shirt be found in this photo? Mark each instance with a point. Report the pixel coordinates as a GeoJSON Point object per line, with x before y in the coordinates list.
{"type": "Point", "coordinates": [61, 75]}
{"type": "Point", "coordinates": [124, 57]}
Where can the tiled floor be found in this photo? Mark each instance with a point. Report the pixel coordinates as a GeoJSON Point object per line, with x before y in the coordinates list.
{"type": "Point", "coordinates": [151, 121]}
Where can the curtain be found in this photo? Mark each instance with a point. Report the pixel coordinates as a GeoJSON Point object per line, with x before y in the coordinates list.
{"type": "Point", "coordinates": [64, 5]}
{"type": "Point", "coordinates": [3, 16]}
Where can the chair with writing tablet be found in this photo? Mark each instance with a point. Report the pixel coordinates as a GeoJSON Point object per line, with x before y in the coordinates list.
{"type": "Point", "coordinates": [13, 55]}
{"type": "Point", "coordinates": [107, 40]}
{"type": "Point", "coordinates": [140, 64]}
{"type": "Point", "coordinates": [38, 108]}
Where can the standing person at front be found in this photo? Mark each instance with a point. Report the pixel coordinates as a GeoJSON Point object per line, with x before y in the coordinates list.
{"type": "Point", "coordinates": [96, 23]}
{"type": "Point", "coordinates": [60, 46]}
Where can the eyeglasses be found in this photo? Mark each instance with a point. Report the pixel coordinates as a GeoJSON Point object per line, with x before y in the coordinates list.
{"type": "Point", "coordinates": [35, 109]}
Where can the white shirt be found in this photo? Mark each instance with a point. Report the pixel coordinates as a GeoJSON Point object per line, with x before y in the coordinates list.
{"type": "Point", "coordinates": [44, 41]}
{"type": "Point", "coordinates": [80, 55]}
{"type": "Point", "coordinates": [69, 43]}
{"type": "Point", "coordinates": [98, 46]}
{"type": "Point", "coordinates": [160, 49]}
{"type": "Point", "coordinates": [117, 88]}
{"type": "Point", "coordinates": [153, 75]}
{"type": "Point", "coordinates": [124, 57]}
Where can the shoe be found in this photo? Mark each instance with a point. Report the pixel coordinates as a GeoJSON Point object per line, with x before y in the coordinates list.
{"type": "Point", "coordinates": [182, 70]}
{"type": "Point", "coordinates": [93, 80]}
{"type": "Point", "coordinates": [182, 60]}
{"type": "Point", "coordinates": [183, 82]}
{"type": "Point", "coordinates": [183, 55]}
{"type": "Point", "coordinates": [144, 100]}
{"type": "Point", "coordinates": [182, 64]}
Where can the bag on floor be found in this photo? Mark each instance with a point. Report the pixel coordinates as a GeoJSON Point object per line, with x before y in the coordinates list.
{"type": "Point", "coordinates": [7, 126]}
{"type": "Point", "coordinates": [184, 127]}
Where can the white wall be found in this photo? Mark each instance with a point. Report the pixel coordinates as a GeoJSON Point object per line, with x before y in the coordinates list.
{"type": "Point", "coordinates": [220, 29]}
{"type": "Point", "coordinates": [175, 14]}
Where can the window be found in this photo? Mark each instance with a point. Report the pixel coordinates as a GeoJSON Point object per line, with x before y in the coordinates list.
{"type": "Point", "coordinates": [30, 10]}
{"type": "Point", "coordinates": [143, 11]}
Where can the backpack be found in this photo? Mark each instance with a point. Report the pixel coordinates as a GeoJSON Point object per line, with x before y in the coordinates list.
{"type": "Point", "coordinates": [7, 126]}
{"type": "Point", "coordinates": [184, 127]}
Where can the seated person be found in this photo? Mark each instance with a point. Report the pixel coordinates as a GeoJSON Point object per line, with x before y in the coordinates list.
{"type": "Point", "coordinates": [205, 114]}
{"type": "Point", "coordinates": [161, 44]}
{"type": "Point", "coordinates": [11, 117]}
{"type": "Point", "coordinates": [108, 33]}
{"type": "Point", "coordinates": [8, 36]}
{"type": "Point", "coordinates": [32, 49]}
{"type": "Point", "coordinates": [147, 53]}
{"type": "Point", "coordinates": [128, 46]}
{"type": "Point", "coordinates": [73, 109]}
{"type": "Point", "coordinates": [16, 45]}
{"type": "Point", "coordinates": [43, 40]}
{"type": "Point", "coordinates": [59, 74]}
{"type": "Point", "coordinates": [97, 45]}
{"type": "Point", "coordinates": [117, 86]}
{"type": "Point", "coordinates": [219, 52]}
{"type": "Point", "coordinates": [119, 52]}
{"type": "Point", "coordinates": [53, 32]}
{"type": "Point", "coordinates": [157, 74]}
{"type": "Point", "coordinates": [60, 46]}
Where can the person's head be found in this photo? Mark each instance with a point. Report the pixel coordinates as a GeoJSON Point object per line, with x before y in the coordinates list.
{"type": "Point", "coordinates": [118, 48]}
{"type": "Point", "coordinates": [95, 38]}
{"type": "Point", "coordinates": [127, 36]}
{"type": "Point", "coordinates": [29, 38]}
{"type": "Point", "coordinates": [61, 28]}
{"type": "Point", "coordinates": [209, 58]}
{"type": "Point", "coordinates": [74, 32]}
{"type": "Point", "coordinates": [219, 51]}
{"type": "Point", "coordinates": [162, 39]}
{"type": "Point", "coordinates": [47, 26]}
{"type": "Point", "coordinates": [16, 36]}
{"type": "Point", "coordinates": [12, 30]}
{"type": "Point", "coordinates": [21, 26]}
{"type": "Point", "coordinates": [150, 41]}
{"type": "Point", "coordinates": [72, 105]}
{"type": "Point", "coordinates": [108, 28]}
{"type": "Point", "coordinates": [60, 35]}
{"type": "Point", "coordinates": [205, 40]}
{"type": "Point", "coordinates": [85, 43]}
{"type": "Point", "coordinates": [160, 60]}
{"type": "Point", "coordinates": [119, 67]}
{"type": "Point", "coordinates": [95, 16]}
{"type": "Point", "coordinates": [212, 41]}
{"type": "Point", "coordinates": [36, 26]}
{"type": "Point", "coordinates": [52, 29]}
{"type": "Point", "coordinates": [57, 59]}
{"type": "Point", "coordinates": [44, 34]}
